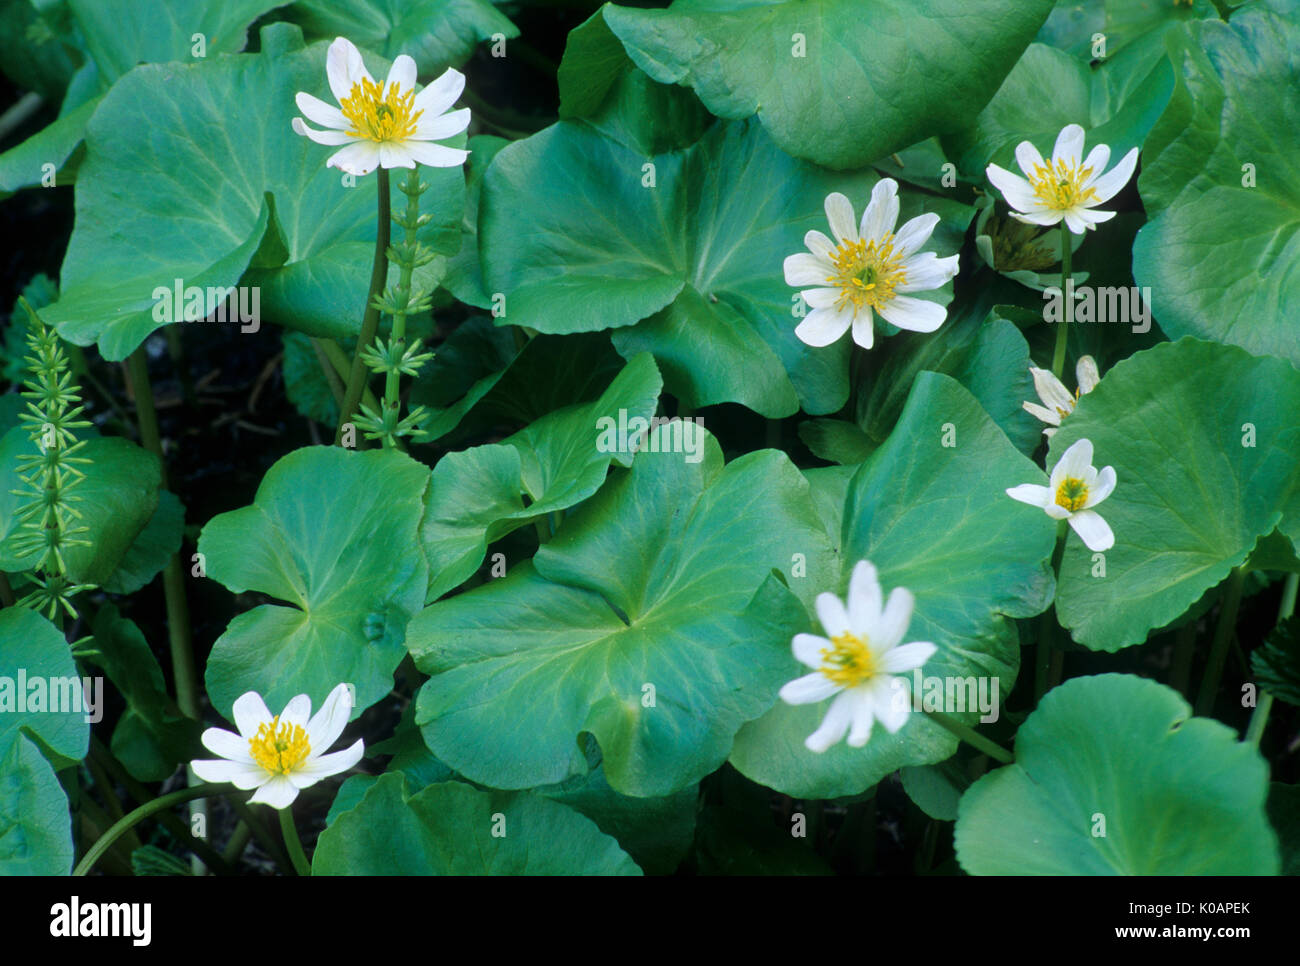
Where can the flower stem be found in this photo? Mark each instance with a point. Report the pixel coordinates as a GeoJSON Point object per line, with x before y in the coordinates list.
{"type": "Point", "coordinates": [1047, 625]}
{"type": "Point", "coordinates": [1259, 717]}
{"type": "Point", "coordinates": [971, 737]}
{"type": "Point", "coordinates": [370, 321]}
{"type": "Point", "coordinates": [131, 819]}
{"type": "Point", "coordinates": [1222, 638]}
{"type": "Point", "coordinates": [392, 379]}
{"type": "Point", "coordinates": [293, 843]}
{"type": "Point", "coordinates": [1062, 327]}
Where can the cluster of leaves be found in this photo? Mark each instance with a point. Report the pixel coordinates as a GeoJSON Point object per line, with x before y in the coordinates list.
{"type": "Point", "coordinates": [587, 643]}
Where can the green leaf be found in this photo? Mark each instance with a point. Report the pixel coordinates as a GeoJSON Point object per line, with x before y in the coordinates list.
{"type": "Point", "coordinates": [477, 496]}
{"type": "Point", "coordinates": [35, 830]}
{"type": "Point", "coordinates": [464, 270]}
{"type": "Point", "coordinates": [41, 693]}
{"type": "Point", "coordinates": [689, 269]}
{"type": "Point", "coordinates": [1284, 812]}
{"type": "Point", "coordinates": [1223, 237]}
{"type": "Point", "coordinates": [453, 829]}
{"type": "Point", "coordinates": [23, 166]}
{"type": "Point", "coordinates": [266, 190]}
{"type": "Point", "coordinates": [836, 441]}
{"type": "Point", "coordinates": [437, 33]}
{"type": "Point", "coordinates": [936, 520]}
{"type": "Point", "coordinates": [304, 382]}
{"type": "Point", "coordinates": [151, 549]}
{"type": "Point", "coordinates": [936, 789]}
{"type": "Point", "coordinates": [465, 368]}
{"type": "Point", "coordinates": [867, 79]}
{"type": "Point", "coordinates": [650, 620]}
{"type": "Point", "coordinates": [1204, 450]}
{"type": "Point", "coordinates": [1177, 795]}
{"type": "Point", "coordinates": [329, 553]}
{"type": "Point", "coordinates": [1276, 665]}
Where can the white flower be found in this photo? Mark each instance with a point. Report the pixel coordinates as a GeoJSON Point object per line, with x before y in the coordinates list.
{"type": "Point", "coordinates": [1075, 488]}
{"type": "Point", "coordinates": [857, 662]}
{"type": "Point", "coordinates": [386, 125]}
{"type": "Point", "coordinates": [280, 755]}
{"type": "Point", "coordinates": [1058, 403]}
{"type": "Point", "coordinates": [1067, 187]}
{"type": "Point", "coordinates": [868, 267]}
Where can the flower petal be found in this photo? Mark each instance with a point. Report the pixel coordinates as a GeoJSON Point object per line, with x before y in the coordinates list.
{"type": "Point", "coordinates": [1092, 530]}
{"type": "Point", "coordinates": [401, 75]}
{"type": "Point", "coordinates": [927, 271]}
{"type": "Point", "coordinates": [1103, 488]}
{"type": "Point", "coordinates": [915, 233]}
{"type": "Point", "coordinates": [863, 715]}
{"type": "Point", "coordinates": [1046, 415]}
{"type": "Point", "coordinates": [1051, 391]}
{"type": "Point", "coordinates": [1043, 217]}
{"type": "Point", "coordinates": [435, 155]}
{"type": "Point", "coordinates": [1018, 192]}
{"type": "Point", "coordinates": [809, 689]}
{"type": "Point", "coordinates": [344, 68]}
{"type": "Point", "coordinates": [328, 723]}
{"type": "Point", "coordinates": [839, 212]}
{"type": "Point", "coordinates": [394, 154]}
{"type": "Point", "coordinates": [893, 621]}
{"type": "Point", "coordinates": [440, 128]}
{"type": "Point", "coordinates": [1029, 159]}
{"type": "Point", "coordinates": [806, 269]}
{"type": "Point", "coordinates": [322, 766]}
{"type": "Point", "coordinates": [331, 138]}
{"type": "Point", "coordinates": [864, 330]}
{"type": "Point", "coordinates": [916, 315]}
{"type": "Point", "coordinates": [819, 244]}
{"type": "Point", "coordinates": [317, 111]}
{"type": "Point", "coordinates": [891, 701]}
{"type": "Point", "coordinates": [238, 774]}
{"type": "Point", "coordinates": [907, 657]}
{"type": "Point", "coordinates": [808, 649]}
{"type": "Point", "coordinates": [882, 211]}
{"type": "Point", "coordinates": [1074, 462]}
{"type": "Point", "coordinates": [297, 711]}
{"type": "Point", "coordinates": [279, 792]}
{"type": "Point", "coordinates": [1031, 493]}
{"type": "Point", "coordinates": [1069, 145]}
{"type": "Point", "coordinates": [1087, 374]}
{"type": "Point", "coordinates": [865, 599]}
{"type": "Point", "coordinates": [228, 745]}
{"type": "Point", "coordinates": [358, 158]}
{"type": "Point", "coordinates": [442, 93]}
{"type": "Point", "coordinates": [1097, 159]}
{"type": "Point", "coordinates": [1076, 224]}
{"type": "Point", "coordinates": [250, 713]}
{"type": "Point", "coordinates": [1110, 183]}
{"type": "Point", "coordinates": [838, 717]}
{"type": "Point", "coordinates": [821, 327]}
{"type": "Point", "coordinates": [832, 614]}
{"type": "Point", "coordinates": [820, 298]}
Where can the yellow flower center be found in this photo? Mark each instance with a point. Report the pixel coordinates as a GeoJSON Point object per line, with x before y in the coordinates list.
{"type": "Point", "coordinates": [849, 662]}
{"type": "Point", "coordinates": [379, 116]}
{"type": "Point", "coordinates": [866, 273]}
{"type": "Point", "coordinates": [1072, 493]}
{"type": "Point", "coordinates": [1059, 186]}
{"type": "Point", "coordinates": [279, 748]}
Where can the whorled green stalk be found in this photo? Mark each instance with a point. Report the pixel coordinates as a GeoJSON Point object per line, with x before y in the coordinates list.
{"type": "Point", "coordinates": [370, 321]}
{"type": "Point", "coordinates": [394, 358]}
{"type": "Point", "coordinates": [47, 514]}
{"type": "Point", "coordinates": [1063, 327]}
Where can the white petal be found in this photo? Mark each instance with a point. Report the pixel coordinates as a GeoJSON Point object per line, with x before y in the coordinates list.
{"type": "Point", "coordinates": [1076, 224]}
{"type": "Point", "coordinates": [1042, 217]}
{"type": "Point", "coordinates": [251, 713]}
{"type": "Point", "coordinates": [1056, 511]}
{"type": "Point", "coordinates": [1092, 530]}
{"type": "Point", "coordinates": [865, 599]}
{"type": "Point", "coordinates": [1074, 462]}
{"type": "Point", "coordinates": [1096, 160]}
{"type": "Point", "coordinates": [839, 213]}
{"type": "Point", "coordinates": [882, 211]}
{"type": "Point", "coordinates": [1028, 158]}
{"type": "Point", "coordinates": [821, 327]}
{"type": "Point", "coordinates": [1051, 391]}
{"type": "Point", "coordinates": [1018, 192]}
{"type": "Point", "coordinates": [806, 269]}
{"type": "Point", "coordinates": [238, 774]}
{"type": "Point", "coordinates": [322, 766]}
{"type": "Point", "coordinates": [819, 244]}
{"type": "Point", "coordinates": [1103, 488]}
{"type": "Point", "coordinates": [317, 111]}
{"type": "Point", "coordinates": [401, 75]}
{"type": "Point", "coordinates": [1069, 145]}
{"type": "Point", "coordinates": [809, 689]}
{"type": "Point", "coordinates": [439, 128]}
{"type": "Point", "coordinates": [228, 745]}
{"type": "Point", "coordinates": [1091, 217]}
{"type": "Point", "coordinates": [837, 720]}
{"type": "Point", "coordinates": [435, 155]}
{"type": "Point", "coordinates": [907, 657]}
{"type": "Point", "coordinates": [890, 699]}
{"type": "Point", "coordinates": [916, 315]}
{"type": "Point", "coordinates": [344, 68]}
{"type": "Point", "coordinates": [915, 233]}
{"type": "Point", "coordinates": [820, 298]}
{"type": "Point", "coordinates": [1031, 493]}
{"type": "Point", "coordinates": [394, 154]}
{"type": "Point", "coordinates": [328, 723]}
{"type": "Point", "coordinates": [832, 613]}
{"type": "Point", "coordinates": [893, 621]}
{"type": "Point", "coordinates": [1087, 374]}
{"type": "Point", "coordinates": [864, 331]}
{"type": "Point", "coordinates": [1110, 183]}
{"type": "Point", "coordinates": [279, 792]}
{"type": "Point", "coordinates": [359, 158]}
{"type": "Point", "coordinates": [297, 711]}
{"type": "Point", "coordinates": [1038, 412]}
{"type": "Point", "coordinates": [331, 138]}
{"type": "Point", "coordinates": [808, 649]}
{"type": "Point", "coordinates": [863, 714]}
{"type": "Point", "coordinates": [442, 93]}
{"type": "Point", "coordinates": [928, 271]}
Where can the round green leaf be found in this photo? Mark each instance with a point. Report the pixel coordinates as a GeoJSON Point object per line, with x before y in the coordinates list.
{"type": "Point", "coordinates": [840, 82]}
{"type": "Point", "coordinates": [936, 520]}
{"type": "Point", "coordinates": [650, 620]}
{"type": "Point", "coordinates": [1204, 444]}
{"type": "Point", "coordinates": [333, 533]}
{"type": "Point", "coordinates": [453, 829]}
{"type": "Point", "coordinates": [37, 672]}
{"type": "Point", "coordinates": [35, 830]}
{"type": "Point", "coordinates": [1223, 183]}
{"type": "Point", "coordinates": [1114, 777]}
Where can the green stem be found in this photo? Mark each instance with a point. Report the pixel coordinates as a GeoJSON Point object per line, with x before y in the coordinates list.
{"type": "Point", "coordinates": [1222, 638]}
{"type": "Point", "coordinates": [1180, 675]}
{"type": "Point", "coordinates": [1047, 625]}
{"type": "Point", "coordinates": [131, 819]}
{"type": "Point", "coordinates": [239, 840]}
{"type": "Point", "coordinates": [370, 321]}
{"type": "Point", "coordinates": [971, 736]}
{"type": "Point", "coordinates": [269, 843]}
{"type": "Point", "coordinates": [1062, 327]}
{"type": "Point", "coordinates": [342, 365]}
{"type": "Point", "coordinates": [293, 843]}
{"type": "Point", "coordinates": [1259, 717]}
{"type": "Point", "coordinates": [397, 341]}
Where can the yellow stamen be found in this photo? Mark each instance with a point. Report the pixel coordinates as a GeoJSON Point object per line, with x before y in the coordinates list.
{"type": "Point", "coordinates": [380, 116]}
{"type": "Point", "coordinates": [1059, 186]}
{"type": "Point", "coordinates": [279, 748]}
{"type": "Point", "coordinates": [1072, 493]}
{"type": "Point", "coordinates": [866, 273]}
{"type": "Point", "coordinates": [850, 662]}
